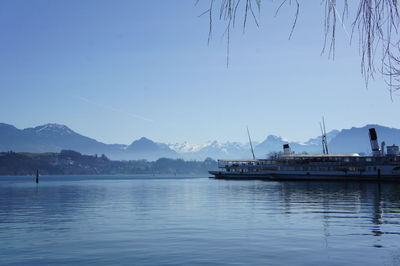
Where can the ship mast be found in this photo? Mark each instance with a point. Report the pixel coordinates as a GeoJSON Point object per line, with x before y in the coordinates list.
{"type": "Point", "coordinates": [324, 139]}
{"type": "Point", "coordinates": [251, 145]}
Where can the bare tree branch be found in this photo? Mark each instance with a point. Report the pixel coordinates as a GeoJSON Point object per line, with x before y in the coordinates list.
{"type": "Point", "coordinates": [375, 24]}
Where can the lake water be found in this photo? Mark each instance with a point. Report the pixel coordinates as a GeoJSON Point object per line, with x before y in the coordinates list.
{"type": "Point", "coordinates": [133, 220]}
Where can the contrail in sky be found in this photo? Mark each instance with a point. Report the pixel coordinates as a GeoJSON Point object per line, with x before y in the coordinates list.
{"type": "Point", "coordinates": [113, 109]}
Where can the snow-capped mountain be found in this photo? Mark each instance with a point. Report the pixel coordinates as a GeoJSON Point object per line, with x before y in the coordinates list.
{"type": "Point", "coordinates": [51, 129]}
{"type": "Point", "coordinates": [212, 149]}
{"type": "Point", "coordinates": [47, 138]}
{"type": "Point", "coordinates": [185, 147]}
{"type": "Point", "coordinates": [56, 137]}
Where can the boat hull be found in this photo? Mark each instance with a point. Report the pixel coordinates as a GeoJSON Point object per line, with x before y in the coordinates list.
{"type": "Point", "coordinates": [305, 176]}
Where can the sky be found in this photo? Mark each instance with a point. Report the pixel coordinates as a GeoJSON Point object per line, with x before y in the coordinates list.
{"type": "Point", "coordinates": [119, 70]}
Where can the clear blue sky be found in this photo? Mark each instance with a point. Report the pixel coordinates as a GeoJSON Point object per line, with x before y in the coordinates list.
{"type": "Point", "coordinates": [119, 70]}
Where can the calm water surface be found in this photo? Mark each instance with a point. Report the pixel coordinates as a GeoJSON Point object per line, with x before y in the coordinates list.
{"type": "Point", "coordinates": [109, 220]}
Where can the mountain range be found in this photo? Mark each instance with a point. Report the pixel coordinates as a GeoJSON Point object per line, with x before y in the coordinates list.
{"type": "Point", "coordinates": [56, 137]}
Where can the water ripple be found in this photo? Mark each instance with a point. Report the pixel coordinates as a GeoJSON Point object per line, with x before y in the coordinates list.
{"type": "Point", "coordinates": [196, 221]}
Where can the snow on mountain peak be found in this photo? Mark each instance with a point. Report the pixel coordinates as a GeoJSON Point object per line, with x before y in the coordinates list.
{"type": "Point", "coordinates": [184, 147]}
{"type": "Point", "coordinates": [62, 129]}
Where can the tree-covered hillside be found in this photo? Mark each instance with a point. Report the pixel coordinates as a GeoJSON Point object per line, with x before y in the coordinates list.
{"type": "Point", "coordinates": [72, 162]}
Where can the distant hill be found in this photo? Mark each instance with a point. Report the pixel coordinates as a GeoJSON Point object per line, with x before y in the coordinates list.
{"type": "Point", "coordinates": [55, 137]}
{"type": "Point", "coordinates": [357, 139]}
{"type": "Point", "coordinates": [50, 138]}
{"type": "Point", "coordinates": [274, 144]}
{"type": "Point", "coordinates": [339, 141]}
{"type": "Point", "coordinates": [150, 150]}
{"type": "Point", "coordinates": [69, 162]}
{"type": "Point", "coordinates": [353, 140]}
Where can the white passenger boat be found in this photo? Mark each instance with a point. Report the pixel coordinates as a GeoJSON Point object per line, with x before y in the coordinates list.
{"type": "Point", "coordinates": [380, 166]}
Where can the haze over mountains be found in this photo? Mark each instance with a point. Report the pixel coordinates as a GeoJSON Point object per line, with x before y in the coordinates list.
{"type": "Point", "coordinates": [55, 137]}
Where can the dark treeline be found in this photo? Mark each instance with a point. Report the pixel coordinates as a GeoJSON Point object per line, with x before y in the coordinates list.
{"type": "Point", "coordinates": [69, 162]}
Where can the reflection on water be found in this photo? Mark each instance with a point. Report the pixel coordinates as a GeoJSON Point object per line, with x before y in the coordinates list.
{"type": "Point", "coordinates": [197, 221]}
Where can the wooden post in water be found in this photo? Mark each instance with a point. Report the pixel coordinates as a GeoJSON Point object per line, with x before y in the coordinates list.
{"type": "Point", "coordinates": [37, 176]}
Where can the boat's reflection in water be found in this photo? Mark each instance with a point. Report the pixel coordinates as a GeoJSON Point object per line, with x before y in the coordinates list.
{"type": "Point", "coordinates": [349, 207]}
